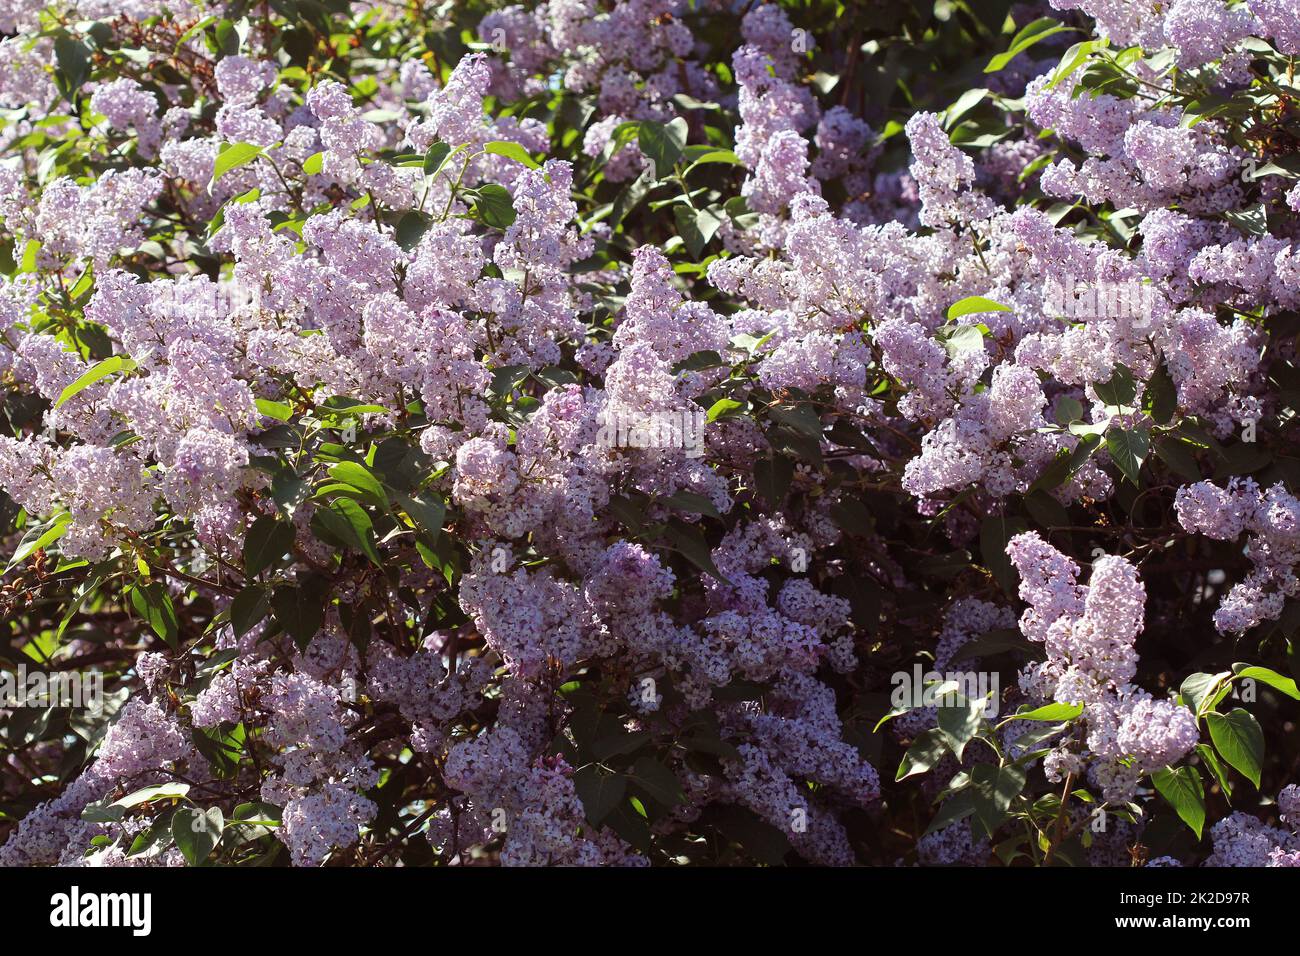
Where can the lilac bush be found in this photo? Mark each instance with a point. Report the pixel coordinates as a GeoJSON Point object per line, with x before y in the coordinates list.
{"type": "Point", "coordinates": [651, 432]}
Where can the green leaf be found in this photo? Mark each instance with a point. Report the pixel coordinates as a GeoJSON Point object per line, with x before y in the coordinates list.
{"type": "Point", "coordinates": [1177, 455]}
{"type": "Point", "coordinates": [687, 540]}
{"type": "Point", "coordinates": [1182, 789]}
{"type": "Point", "coordinates": [267, 541]}
{"type": "Point", "coordinates": [958, 339]}
{"type": "Point", "coordinates": [657, 781]}
{"type": "Point", "coordinates": [1162, 396]}
{"type": "Point", "coordinates": [662, 144]}
{"type": "Point", "coordinates": [992, 790]}
{"type": "Point", "coordinates": [511, 151]}
{"type": "Point", "coordinates": [1052, 712]}
{"type": "Point", "coordinates": [629, 197]}
{"type": "Point", "coordinates": [410, 229]}
{"type": "Point", "coordinates": [725, 156]}
{"type": "Point", "coordinates": [721, 407]}
{"type": "Point", "coordinates": [1252, 221]}
{"type": "Point", "coordinates": [995, 532]}
{"type": "Point", "coordinates": [772, 477]}
{"type": "Point", "coordinates": [599, 790]}
{"type": "Point", "coordinates": [802, 417]}
{"type": "Point", "coordinates": [314, 164]}
{"type": "Point", "coordinates": [222, 749]}
{"type": "Point", "coordinates": [197, 832]}
{"type": "Point", "coordinates": [232, 156]}
{"type": "Point", "coordinates": [959, 720]}
{"type": "Point", "coordinates": [280, 411]}
{"type": "Point", "coordinates": [696, 227]}
{"type": "Point", "coordinates": [40, 536]}
{"type": "Point", "coordinates": [965, 103]}
{"type": "Point", "coordinates": [689, 502]}
{"type": "Point", "coordinates": [84, 284]}
{"type": "Point", "coordinates": [618, 744]}
{"type": "Point", "coordinates": [1073, 59]}
{"type": "Point", "coordinates": [1120, 391]}
{"type": "Point", "coordinates": [361, 478]}
{"type": "Point", "coordinates": [427, 513]}
{"type": "Point", "coordinates": [101, 370]}
{"type": "Point", "coordinates": [493, 205]}
{"type": "Point", "coordinates": [300, 611]}
{"type": "Point", "coordinates": [154, 604]}
{"type": "Point", "coordinates": [998, 641]}
{"type": "Point", "coordinates": [711, 745]}
{"type": "Point", "coordinates": [163, 791]}
{"type": "Point", "coordinates": [926, 752]}
{"type": "Point", "coordinates": [31, 250]}
{"type": "Point", "coordinates": [345, 522]}
{"type": "Point", "coordinates": [1240, 741]}
{"type": "Point", "coordinates": [1270, 677]}
{"type": "Point", "coordinates": [72, 65]}
{"type": "Point", "coordinates": [1066, 464]}
{"type": "Point", "coordinates": [974, 304]}
{"type": "Point", "coordinates": [1211, 760]}
{"type": "Point", "coordinates": [1040, 29]}
{"type": "Point", "coordinates": [101, 812]}
{"type": "Point", "coordinates": [434, 158]}
{"type": "Point", "coordinates": [1129, 449]}
{"type": "Point", "coordinates": [1046, 510]}
{"type": "Point", "coordinates": [248, 608]}
{"type": "Point", "coordinates": [762, 841]}
{"type": "Point", "coordinates": [1202, 691]}
{"type": "Point", "coordinates": [957, 807]}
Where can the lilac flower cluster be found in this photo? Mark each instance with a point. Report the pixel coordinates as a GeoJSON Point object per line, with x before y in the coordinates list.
{"type": "Point", "coordinates": [1089, 633]}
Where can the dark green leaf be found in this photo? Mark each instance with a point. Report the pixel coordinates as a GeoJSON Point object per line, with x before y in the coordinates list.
{"type": "Point", "coordinates": [995, 532]}
{"type": "Point", "coordinates": [1183, 791]}
{"type": "Point", "coordinates": [1162, 396]}
{"type": "Point", "coordinates": [1120, 390]}
{"type": "Point", "coordinates": [959, 720]}
{"type": "Point", "coordinates": [599, 790]}
{"type": "Point", "coordinates": [267, 541]}
{"type": "Point", "coordinates": [435, 156]}
{"type": "Point", "coordinates": [992, 790]}
{"type": "Point", "coordinates": [427, 512]}
{"type": "Point", "coordinates": [411, 229]}
{"type": "Point", "coordinates": [926, 752]}
{"type": "Point", "coordinates": [360, 477]}
{"type": "Point", "coordinates": [153, 603]}
{"type": "Point", "coordinates": [662, 144]}
{"type": "Point", "coordinates": [493, 205]}
{"type": "Point", "coordinates": [197, 832]}
{"type": "Point", "coordinates": [687, 541]}
{"type": "Point", "coordinates": [345, 522]}
{"type": "Point", "coordinates": [249, 607]}
{"type": "Point", "coordinates": [1129, 449]}
{"type": "Point", "coordinates": [1240, 741]}
{"type": "Point", "coordinates": [657, 781]}
{"type": "Point", "coordinates": [300, 611]}
{"type": "Point", "coordinates": [772, 477]}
